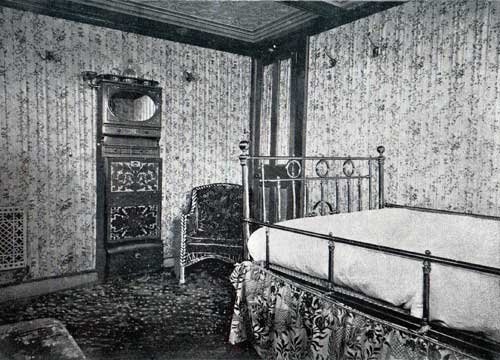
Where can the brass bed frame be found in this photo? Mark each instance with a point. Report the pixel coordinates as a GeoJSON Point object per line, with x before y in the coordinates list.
{"type": "Point", "coordinates": [264, 179]}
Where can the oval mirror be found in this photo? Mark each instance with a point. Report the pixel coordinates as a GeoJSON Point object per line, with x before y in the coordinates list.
{"type": "Point", "coordinates": [132, 106]}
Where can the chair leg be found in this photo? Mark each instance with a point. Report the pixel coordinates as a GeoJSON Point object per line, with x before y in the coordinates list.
{"type": "Point", "coordinates": [182, 252]}
{"type": "Point", "coordinates": [182, 279]}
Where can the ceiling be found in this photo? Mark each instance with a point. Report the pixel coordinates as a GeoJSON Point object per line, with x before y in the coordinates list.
{"type": "Point", "coordinates": [250, 21]}
{"type": "Point", "coordinates": [244, 27]}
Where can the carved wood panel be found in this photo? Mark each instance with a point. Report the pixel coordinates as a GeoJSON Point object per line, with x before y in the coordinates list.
{"type": "Point", "coordinates": [133, 199]}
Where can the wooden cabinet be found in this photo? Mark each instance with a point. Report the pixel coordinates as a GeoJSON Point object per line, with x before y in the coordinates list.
{"type": "Point", "coordinates": [129, 173]}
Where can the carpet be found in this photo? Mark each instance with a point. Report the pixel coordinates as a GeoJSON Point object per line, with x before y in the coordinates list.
{"type": "Point", "coordinates": [145, 317]}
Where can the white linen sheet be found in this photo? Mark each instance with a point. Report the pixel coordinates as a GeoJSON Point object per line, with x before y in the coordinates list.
{"type": "Point", "coordinates": [462, 299]}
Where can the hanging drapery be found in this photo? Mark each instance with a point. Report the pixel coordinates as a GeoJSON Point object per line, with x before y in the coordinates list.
{"type": "Point", "coordinates": [285, 320]}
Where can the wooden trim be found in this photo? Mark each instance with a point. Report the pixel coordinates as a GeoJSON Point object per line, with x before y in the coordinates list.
{"type": "Point", "coordinates": [298, 98]}
{"type": "Point", "coordinates": [100, 262]}
{"type": "Point", "coordinates": [255, 126]}
{"type": "Point", "coordinates": [47, 285]}
{"type": "Point", "coordinates": [320, 8]}
{"type": "Point", "coordinates": [279, 24]}
{"type": "Point", "coordinates": [298, 110]}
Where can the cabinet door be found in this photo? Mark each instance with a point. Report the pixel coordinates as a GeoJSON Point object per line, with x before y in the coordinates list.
{"type": "Point", "coordinates": [133, 200]}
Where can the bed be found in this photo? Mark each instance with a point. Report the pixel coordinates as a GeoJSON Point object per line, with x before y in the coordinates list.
{"type": "Point", "coordinates": [435, 273]}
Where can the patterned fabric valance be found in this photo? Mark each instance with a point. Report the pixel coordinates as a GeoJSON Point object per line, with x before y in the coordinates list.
{"type": "Point", "coordinates": [285, 320]}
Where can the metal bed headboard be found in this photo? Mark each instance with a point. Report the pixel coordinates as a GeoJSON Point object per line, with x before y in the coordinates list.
{"type": "Point", "coordinates": [336, 183]}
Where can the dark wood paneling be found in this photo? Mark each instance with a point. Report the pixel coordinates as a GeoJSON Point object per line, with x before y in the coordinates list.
{"type": "Point", "coordinates": [255, 124]}
{"type": "Point", "coordinates": [134, 259]}
{"type": "Point", "coordinates": [298, 97]}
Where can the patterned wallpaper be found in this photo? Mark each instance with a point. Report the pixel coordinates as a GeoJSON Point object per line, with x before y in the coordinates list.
{"type": "Point", "coordinates": [265, 111]}
{"type": "Point", "coordinates": [47, 127]}
{"type": "Point", "coordinates": [283, 122]}
{"type": "Point", "coordinates": [282, 147]}
{"type": "Point", "coordinates": [432, 98]}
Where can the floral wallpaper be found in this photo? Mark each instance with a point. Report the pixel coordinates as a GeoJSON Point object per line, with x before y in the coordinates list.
{"type": "Point", "coordinates": [265, 111]}
{"type": "Point", "coordinates": [431, 97]}
{"type": "Point", "coordinates": [282, 146]}
{"type": "Point", "coordinates": [283, 122]}
{"type": "Point", "coordinates": [48, 117]}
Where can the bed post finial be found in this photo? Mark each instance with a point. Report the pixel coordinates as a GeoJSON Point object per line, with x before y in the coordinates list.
{"type": "Point", "coordinates": [381, 159]}
{"type": "Point", "coordinates": [244, 147]}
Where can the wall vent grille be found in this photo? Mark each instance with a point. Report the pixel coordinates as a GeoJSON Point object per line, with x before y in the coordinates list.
{"type": "Point", "coordinates": [12, 238]}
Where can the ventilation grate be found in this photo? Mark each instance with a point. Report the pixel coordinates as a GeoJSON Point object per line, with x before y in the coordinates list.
{"type": "Point", "coordinates": [12, 238]}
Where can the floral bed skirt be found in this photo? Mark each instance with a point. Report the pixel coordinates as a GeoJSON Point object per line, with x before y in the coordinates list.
{"type": "Point", "coordinates": [285, 320]}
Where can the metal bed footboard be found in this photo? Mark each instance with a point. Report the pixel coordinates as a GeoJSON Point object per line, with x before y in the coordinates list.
{"type": "Point", "coordinates": [426, 258]}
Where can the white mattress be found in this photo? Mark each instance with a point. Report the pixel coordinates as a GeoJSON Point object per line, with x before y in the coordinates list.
{"type": "Point", "coordinates": [461, 299]}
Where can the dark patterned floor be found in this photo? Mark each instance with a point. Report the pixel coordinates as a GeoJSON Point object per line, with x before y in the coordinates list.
{"type": "Point", "coordinates": [147, 317]}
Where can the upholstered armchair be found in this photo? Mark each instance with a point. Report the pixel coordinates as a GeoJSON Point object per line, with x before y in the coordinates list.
{"type": "Point", "coordinates": [212, 229]}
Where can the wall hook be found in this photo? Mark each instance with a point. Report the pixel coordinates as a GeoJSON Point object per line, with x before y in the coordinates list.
{"type": "Point", "coordinates": [375, 50]}
{"type": "Point", "coordinates": [188, 76]}
{"type": "Point", "coordinates": [49, 56]}
{"type": "Point", "coordinates": [332, 61]}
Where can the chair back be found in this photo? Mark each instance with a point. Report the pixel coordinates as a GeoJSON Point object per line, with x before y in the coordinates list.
{"type": "Point", "coordinates": [219, 210]}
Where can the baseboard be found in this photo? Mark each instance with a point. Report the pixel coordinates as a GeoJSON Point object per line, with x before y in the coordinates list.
{"type": "Point", "coordinates": [45, 286]}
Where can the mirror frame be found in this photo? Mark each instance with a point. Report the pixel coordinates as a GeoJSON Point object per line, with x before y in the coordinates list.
{"type": "Point", "coordinates": [128, 120]}
{"type": "Point", "coordinates": [115, 125]}
{"type": "Point", "coordinates": [152, 93]}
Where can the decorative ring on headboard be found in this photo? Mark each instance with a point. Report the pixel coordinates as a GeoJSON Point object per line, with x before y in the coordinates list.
{"type": "Point", "coordinates": [348, 168]}
{"type": "Point", "coordinates": [322, 168]}
{"type": "Point", "coordinates": [295, 171]}
{"type": "Point", "coordinates": [320, 202]}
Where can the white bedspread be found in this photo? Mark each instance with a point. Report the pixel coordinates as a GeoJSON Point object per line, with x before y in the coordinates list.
{"type": "Point", "coordinates": [461, 299]}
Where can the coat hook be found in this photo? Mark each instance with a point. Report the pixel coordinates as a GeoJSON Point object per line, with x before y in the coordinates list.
{"type": "Point", "coordinates": [331, 60]}
{"type": "Point", "coordinates": [375, 50]}
{"type": "Point", "coordinates": [188, 76]}
{"type": "Point", "coordinates": [49, 56]}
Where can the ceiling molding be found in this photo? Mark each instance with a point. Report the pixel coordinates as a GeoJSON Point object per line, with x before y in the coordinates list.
{"type": "Point", "coordinates": [278, 29]}
{"type": "Point", "coordinates": [192, 21]}
{"type": "Point", "coordinates": [345, 4]}
{"type": "Point", "coordinates": [321, 8]}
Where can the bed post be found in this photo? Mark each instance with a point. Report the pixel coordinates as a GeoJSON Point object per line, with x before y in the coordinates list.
{"type": "Point", "coordinates": [381, 159]}
{"type": "Point", "coordinates": [244, 146]}
{"type": "Point", "coordinates": [427, 288]}
{"type": "Point", "coordinates": [267, 247]}
{"type": "Point", "coordinates": [331, 261]}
